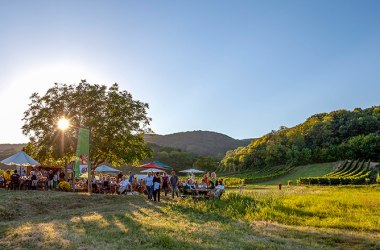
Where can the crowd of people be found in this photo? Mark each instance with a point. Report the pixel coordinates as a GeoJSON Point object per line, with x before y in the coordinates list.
{"type": "Point", "coordinates": [152, 185]}
{"type": "Point", "coordinates": [45, 179]}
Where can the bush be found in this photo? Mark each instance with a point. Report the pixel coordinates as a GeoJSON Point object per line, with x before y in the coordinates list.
{"type": "Point", "coordinates": [64, 186]}
{"type": "Point", "coordinates": [323, 181]}
{"type": "Point", "coordinates": [378, 178]}
{"type": "Point", "coordinates": [230, 182]}
{"type": "Point", "coordinates": [290, 182]}
{"type": "Point", "coordinates": [334, 181]}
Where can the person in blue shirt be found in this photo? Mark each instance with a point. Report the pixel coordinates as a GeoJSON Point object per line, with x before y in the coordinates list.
{"type": "Point", "coordinates": [131, 177]}
{"type": "Point", "coordinates": [149, 185]}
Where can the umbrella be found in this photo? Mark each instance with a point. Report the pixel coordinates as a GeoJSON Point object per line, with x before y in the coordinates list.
{"type": "Point", "coordinates": [157, 165]}
{"type": "Point", "coordinates": [21, 159]}
{"type": "Point", "coordinates": [152, 170]}
{"type": "Point", "coordinates": [105, 168]}
{"type": "Point", "coordinates": [192, 171]}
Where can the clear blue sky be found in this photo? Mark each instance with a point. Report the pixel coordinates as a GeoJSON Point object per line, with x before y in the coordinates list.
{"type": "Point", "coordinates": [241, 68]}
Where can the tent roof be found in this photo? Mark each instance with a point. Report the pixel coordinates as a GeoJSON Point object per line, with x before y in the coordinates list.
{"type": "Point", "coordinates": [155, 170]}
{"type": "Point", "coordinates": [156, 165]}
{"type": "Point", "coordinates": [105, 168]}
{"type": "Point", "coordinates": [192, 171]}
{"type": "Point", "coordinates": [21, 159]}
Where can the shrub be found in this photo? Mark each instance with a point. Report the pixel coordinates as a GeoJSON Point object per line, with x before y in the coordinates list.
{"type": "Point", "coordinates": [230, 182]}
{"type": "Point", "coordinates": [334, 181]}
{"type": "Point", "coordinates": [290, 182]}
{"type": "Point", "coordinates": [323, 181]}
{"type": "Point", "coordinates": [64, 186]}
{"type": "Point", "coordinates": [314, 181]}
{"type": "Point", "coordinates": [378, 178]}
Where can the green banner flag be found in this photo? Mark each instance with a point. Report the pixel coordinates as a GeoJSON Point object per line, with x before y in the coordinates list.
{"type": "Point", "coordinates": [83, 148]}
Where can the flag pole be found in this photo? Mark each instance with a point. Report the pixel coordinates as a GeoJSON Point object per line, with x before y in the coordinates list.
{"type": "Point", "coordinates": [89, 173]}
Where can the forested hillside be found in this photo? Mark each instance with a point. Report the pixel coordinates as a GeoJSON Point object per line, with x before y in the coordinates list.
{"type": "Point", "coordinates": [198, 142]}
{"type": "Point", "coordinates": [325, 137]}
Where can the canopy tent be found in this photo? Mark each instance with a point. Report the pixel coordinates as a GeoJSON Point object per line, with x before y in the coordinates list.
{"type": "Point", "coordinates": [154, 170]}
{"type": "Point", "coordinates": [85, 175]}
{"type": "Point", "coordinates": [192, 171]}
{"type": "Point", "coordinates": [106, 169]}
{"type": "Point", "coordinates": [157, 165]}
{"type": "Point", "coordinates": [21, 159]}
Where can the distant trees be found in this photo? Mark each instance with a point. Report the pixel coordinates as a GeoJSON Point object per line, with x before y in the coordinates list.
{"type": "Point", "coordinates": [117, 121]}
{"type": "Point", "coordinates": [323, 137]}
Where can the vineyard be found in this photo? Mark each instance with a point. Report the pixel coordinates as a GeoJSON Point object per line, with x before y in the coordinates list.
{"type": "Point", "coordinates": [353, 172]}
{"type": "Point", "coordinates": [259, 175]}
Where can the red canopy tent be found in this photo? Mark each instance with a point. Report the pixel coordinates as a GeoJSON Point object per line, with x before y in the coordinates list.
{"type": "Point", "coordinates": [157, 165]}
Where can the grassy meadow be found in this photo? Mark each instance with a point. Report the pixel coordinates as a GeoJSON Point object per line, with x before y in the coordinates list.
{"type": "Point", "coordinates": [257, 217]}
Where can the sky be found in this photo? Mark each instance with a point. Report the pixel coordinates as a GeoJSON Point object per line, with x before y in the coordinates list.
{"type": "Point", "coordinates": [241, 68]}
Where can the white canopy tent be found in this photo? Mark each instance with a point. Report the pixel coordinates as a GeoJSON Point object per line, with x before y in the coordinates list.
{"type": "Point", "coordinates": [20, 159]}
{"type": "Point", "coordinates": [154, 170]}
{"type": "Point", "coordinates": [192, 171]}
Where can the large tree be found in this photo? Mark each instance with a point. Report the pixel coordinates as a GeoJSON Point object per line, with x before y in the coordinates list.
{"type": "Point", "coordinates": [117, 124]}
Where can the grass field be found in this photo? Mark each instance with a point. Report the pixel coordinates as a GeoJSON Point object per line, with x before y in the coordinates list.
{"type": "Point", "coordinates": [312, 170]}
{"type": "Point", "coordinates": [258, 217]}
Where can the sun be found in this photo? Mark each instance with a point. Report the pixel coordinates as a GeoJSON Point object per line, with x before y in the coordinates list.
{"type": "Point", "coordinates": [63, 123]}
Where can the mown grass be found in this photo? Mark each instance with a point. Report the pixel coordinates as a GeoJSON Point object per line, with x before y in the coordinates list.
{"type": "Point", "coordinates": [311, 170]}
{"type": "Point", "coordinates": [259, 218]}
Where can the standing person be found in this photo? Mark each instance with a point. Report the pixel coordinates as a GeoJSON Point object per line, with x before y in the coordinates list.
{"type": "Point", "coordinates": [213, 180]}
{"type": "Point", "coordinates": [165, 183]}
{"type": "Point", "coordinates": [34, 179]}
{"type": "Point", "coordinates": [174, 183]}
{"type": "Point", "coordinates": [131, 177]}
{"type": "Point", "coordinates": [15, 180]}
{"type": "Point", "coordinates": [55, 181]}
{"type": "Point", "coordinates": [149, 185]}
{"type": "Point", "coordinates": [7, 178]}
{"type": "Point", "coordinates": [50, 180]}
{"type": "Point", "coordinates": [119, 176]}
{"type": "Point", "coordinates": [23, 173]}
{"type": "Point", "coordinates": [156, 187]}
{"type": "Point", "coordinates": [61, 176]}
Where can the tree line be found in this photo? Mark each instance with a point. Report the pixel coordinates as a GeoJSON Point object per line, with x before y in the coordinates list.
{"type": "Point", "coordinates": [324, 137]}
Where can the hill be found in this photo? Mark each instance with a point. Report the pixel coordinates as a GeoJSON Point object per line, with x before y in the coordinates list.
{"type": "Point", "coordinates": [7, 150]}
{"type": "Point", "coordinates": [324, 137]}
{"type": "Point", "coordinates": [198, 142]}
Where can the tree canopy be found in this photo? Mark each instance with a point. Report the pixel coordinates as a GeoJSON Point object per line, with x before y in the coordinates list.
{"type": "Point", "coordinates": [323, 137]}
{"type": "Point", "coordinates": [117, 123]}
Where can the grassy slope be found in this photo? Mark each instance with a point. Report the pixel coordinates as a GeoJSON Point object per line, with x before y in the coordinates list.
{"type": "Point", "coordinates": [303, 171]}
{"type": "Point", "coordinates": [263, 218]}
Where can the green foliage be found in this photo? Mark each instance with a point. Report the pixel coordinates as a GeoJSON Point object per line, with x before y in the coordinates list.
{"type": "Point", "coordinates": [290, 182]}
{"type": "Point", "coordinates": [378, 178]}
{"type": "Point", "coordinates": [321, 138]}
{"type": "Point", "coordinates": [233, 182]}
{"type": "Point", "coordinates": [64, 186]}
{"type": "Point", "coordinates": [117, 123]}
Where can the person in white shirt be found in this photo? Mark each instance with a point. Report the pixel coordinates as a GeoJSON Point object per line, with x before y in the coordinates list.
{"type": "Point", "coordinates": [149, 185]}
{"type": "Point", "coordinates": [123, 185]}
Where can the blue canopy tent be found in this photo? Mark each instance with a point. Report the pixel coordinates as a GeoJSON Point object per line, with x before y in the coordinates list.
{"type": "Point", "coordinates": [106, 169]}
